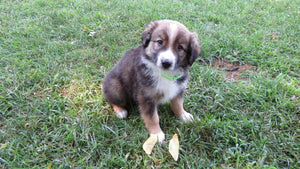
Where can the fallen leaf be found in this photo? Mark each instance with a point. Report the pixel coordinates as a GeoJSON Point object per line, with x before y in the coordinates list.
{"type": "Point", "coordinates": [3, 146]}
{"type": "Point", "coordinates": [174, 147]}
{"type": "Point", "coordinates": [149, 144]}
{"type": "Point", "coordinates": [49, 166]}
{"type": "Point", "coordinates": [85, 28]}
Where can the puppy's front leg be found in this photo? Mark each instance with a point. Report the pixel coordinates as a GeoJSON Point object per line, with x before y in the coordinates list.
{"type": "Point", "coordinates": [150, 116]}
{"type": "Point", "coordinates": [177, 107]}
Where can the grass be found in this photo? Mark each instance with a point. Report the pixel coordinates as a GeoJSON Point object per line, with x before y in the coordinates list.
{"type": "Point", "coordinates": [54, 55]}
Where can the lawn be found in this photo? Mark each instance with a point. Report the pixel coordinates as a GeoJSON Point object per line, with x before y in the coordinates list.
{"type": "Point", "coordinates": [244, 91]}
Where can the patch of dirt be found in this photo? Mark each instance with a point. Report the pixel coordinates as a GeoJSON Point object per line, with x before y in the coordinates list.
{"type": "Point", "coordinates": [233, 70]}
{"type": "Point", "coordinates": [69, 92]}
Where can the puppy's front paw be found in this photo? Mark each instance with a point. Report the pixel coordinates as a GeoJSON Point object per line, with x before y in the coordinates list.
{"type": "Point", "coordinates": [160, 136]}
{"type": "Point", "coordinates": [186, 117]}
{"type": "Point", "coordinates": [122, 114]}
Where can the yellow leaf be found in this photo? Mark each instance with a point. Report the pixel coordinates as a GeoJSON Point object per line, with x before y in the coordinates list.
{"type": "Point", "coordinates": [149, 144]}
{"type": "Point", "coordinates": [85, 28]}
{"type": "Point", "coordinates": [174, 147]}
{"type": "Point", "coordinates": [3, 146]}
{"type": "Point", "coordinates": [49, 166]}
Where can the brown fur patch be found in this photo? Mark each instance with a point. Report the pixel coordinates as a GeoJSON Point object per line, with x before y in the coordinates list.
{"type": "Point", "coordinates": [177, 106]}
{"type": "Point", "coordinates": [148, 111]}
{"type": "Point", "coordinates": [151, 122]}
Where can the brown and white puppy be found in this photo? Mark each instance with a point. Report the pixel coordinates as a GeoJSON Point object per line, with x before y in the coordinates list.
{"type": "Point", "coordinates": [154, 73]}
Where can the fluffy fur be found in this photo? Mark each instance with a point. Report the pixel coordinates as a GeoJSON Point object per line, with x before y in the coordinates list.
{"type": "Point", "coordinates": [168, 50]}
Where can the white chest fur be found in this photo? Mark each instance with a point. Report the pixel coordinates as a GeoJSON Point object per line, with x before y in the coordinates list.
{"type": "Point", "coordinates": [168, 89]}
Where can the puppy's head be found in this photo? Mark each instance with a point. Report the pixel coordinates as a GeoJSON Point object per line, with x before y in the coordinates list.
{"type": "Point", "coordinates": [170, 45]}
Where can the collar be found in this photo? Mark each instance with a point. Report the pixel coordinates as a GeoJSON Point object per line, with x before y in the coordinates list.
{"type": "Point", "coordinates": [170, 77]}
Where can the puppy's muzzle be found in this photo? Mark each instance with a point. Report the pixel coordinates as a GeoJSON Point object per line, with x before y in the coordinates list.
{"type": "Point", "coordinates": [166, 60]}
{"type": "Point", "coordinates": [166, 63]}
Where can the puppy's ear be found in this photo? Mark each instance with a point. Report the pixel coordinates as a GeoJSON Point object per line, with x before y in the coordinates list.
{"type": "Point", "coordinates": [146, 35]}
{"type": "Point", "coordinates": [194, 48]}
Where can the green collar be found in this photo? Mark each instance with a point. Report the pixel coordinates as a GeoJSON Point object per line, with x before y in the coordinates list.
{"type": "Point", "coordinates": [170, 77]}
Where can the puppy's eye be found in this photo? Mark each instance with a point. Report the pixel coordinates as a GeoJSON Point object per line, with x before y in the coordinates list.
{"type": "Point", "coordinates": [180, 48]}
{"type": "Point", "coordinates": [160, 42]}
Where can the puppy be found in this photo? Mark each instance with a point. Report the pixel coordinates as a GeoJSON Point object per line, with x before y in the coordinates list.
{"type": "Point", "coordinates": [154, 73]}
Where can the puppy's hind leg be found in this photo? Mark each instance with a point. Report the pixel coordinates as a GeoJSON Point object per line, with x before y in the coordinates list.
{"type": "Point", "coordinates": [120, 112]}
{"type": "Point", "coordinates": [115, 95]}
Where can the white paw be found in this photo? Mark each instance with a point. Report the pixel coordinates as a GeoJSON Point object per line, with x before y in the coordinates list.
{"type": "Point", "coordinates": [186, 117]}
{"type": "Point", "coordinates": [122, 114]}
{"type": "Point", "coordinates": [160, 136]}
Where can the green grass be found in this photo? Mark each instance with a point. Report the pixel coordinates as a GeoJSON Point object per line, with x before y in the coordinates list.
{"type": "Point", "coordinates": [54, 55]}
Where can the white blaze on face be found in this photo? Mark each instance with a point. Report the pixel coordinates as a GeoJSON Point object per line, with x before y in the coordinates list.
{"type": "Point", "coordinates": [168, 55]}
{"type": "Point", "coordinates": [173, 32]}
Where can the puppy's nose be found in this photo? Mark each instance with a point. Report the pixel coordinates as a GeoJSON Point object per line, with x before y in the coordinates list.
{"type": "Point", "coordinates": [166, 63]}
